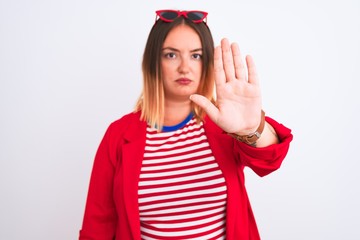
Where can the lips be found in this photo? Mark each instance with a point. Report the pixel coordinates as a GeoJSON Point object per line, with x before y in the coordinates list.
{"type": "Point", "coordinates": [183, 81]}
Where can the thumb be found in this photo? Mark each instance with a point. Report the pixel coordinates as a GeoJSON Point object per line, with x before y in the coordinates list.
{"type": "Point", "coordinates": [207, 105]}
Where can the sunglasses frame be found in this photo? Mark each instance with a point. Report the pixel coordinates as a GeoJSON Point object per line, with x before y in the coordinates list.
{"type": "Point", "coordinates": [181, 13]}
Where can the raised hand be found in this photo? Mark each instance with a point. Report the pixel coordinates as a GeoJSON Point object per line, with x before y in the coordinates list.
{"type": "Point", "coordinates": [238, 95]}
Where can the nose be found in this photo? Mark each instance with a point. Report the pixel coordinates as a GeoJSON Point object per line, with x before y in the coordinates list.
{"type": "Point", "coordinates": [184, 66]}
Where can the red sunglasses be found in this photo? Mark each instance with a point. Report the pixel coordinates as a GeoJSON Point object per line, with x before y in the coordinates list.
{"type": "Point", "coordinates": [170, 15]}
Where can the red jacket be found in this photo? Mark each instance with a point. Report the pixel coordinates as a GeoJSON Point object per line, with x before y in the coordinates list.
{"type": "Point", "coordinates": [112, 210]}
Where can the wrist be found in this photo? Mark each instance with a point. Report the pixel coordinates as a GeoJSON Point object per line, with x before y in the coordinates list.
{"type": "Point", "coordinates": [251, 138]}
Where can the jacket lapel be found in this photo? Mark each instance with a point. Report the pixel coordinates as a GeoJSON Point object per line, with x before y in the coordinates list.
{"type": "Point", "coordinates": [221, 147]}
{"type": "Point", "coordinates": [133, 153]}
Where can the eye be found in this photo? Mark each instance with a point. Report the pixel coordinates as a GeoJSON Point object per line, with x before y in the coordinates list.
{"type": "Point", "coordinates": [197, 56]}
{"type": "Point", "coordinates": [170, 55]}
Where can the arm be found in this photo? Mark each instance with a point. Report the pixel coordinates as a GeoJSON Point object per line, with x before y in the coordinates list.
{"type": "Point", "coordinates": [268, 136]}
{"type": "Point", "coordinates": [264, 160]}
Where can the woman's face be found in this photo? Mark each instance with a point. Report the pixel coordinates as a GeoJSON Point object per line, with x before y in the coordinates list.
{"type": "Point", "coordinates": [181, 63]}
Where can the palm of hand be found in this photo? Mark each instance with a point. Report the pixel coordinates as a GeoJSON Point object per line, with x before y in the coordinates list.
{"type": "Point", "coordinates": [238, 96]}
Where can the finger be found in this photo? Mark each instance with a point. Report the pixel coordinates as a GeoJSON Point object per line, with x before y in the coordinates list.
{"type": "Point", "coordinates": [218, 67]}
{"type": "Point", "coordinates": [252, 72]}
{"type": "Point", "coordinates": [204, 103]}
{"type": "Point", "coordinates": [240, 71]}
{"type": "Point", "coordinates": [228, 60]}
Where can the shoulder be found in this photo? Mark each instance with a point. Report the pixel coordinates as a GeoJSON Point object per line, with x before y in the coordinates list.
{"type": "Point", "coordinates": [126, 119]}
{"type": "Point", "coordinates": [126, 122]}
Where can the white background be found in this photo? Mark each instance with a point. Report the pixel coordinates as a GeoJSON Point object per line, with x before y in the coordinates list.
{"type": "Point", "coordinates": [70, 67]}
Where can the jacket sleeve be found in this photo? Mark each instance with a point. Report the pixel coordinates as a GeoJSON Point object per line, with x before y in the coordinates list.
{"type": "Point", "coordinates": [268, 159]}
{"type": "Point", "coordinates": [100, 216]}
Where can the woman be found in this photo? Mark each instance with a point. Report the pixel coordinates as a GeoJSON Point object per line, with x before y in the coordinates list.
{"type": "Point", "coordinates": [173, 168]}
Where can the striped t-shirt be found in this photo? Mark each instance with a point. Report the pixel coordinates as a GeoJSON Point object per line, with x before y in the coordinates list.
{"type": "Point", "coordinates": [182, 192]}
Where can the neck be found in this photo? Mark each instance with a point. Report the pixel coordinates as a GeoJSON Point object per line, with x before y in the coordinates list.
{"type": "Point", "coordinates": [176, 112]}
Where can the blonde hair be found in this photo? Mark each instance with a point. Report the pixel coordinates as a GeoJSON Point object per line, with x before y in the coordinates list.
{"type": "Point", "coordinates": [152, 101]}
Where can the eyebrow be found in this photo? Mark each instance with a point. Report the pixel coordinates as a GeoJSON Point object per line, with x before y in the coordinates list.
{"type": "Point", "coordinates": [176, 50]}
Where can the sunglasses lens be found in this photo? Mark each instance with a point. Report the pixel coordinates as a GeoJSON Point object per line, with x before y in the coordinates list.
{"type": "Point", "coordinates": [169, 15]}
{"type": "Point", "coordinates": [195, 16]}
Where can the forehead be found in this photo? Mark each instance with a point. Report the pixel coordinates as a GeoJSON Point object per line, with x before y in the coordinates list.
{"type": "Point", "coordinates": [182, 37]}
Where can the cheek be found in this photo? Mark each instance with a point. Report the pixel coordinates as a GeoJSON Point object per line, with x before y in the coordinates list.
{"type": "Point", "coordinates": [167, 68]}
{"type": "Point", "coordinates": [199, 70]}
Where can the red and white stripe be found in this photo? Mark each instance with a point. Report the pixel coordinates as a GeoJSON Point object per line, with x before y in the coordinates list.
{"type": "Point", "coordinates": [182, 192]}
